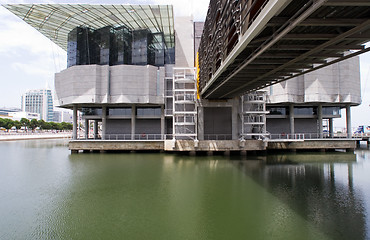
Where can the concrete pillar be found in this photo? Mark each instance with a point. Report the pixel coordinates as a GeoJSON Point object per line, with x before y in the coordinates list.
{"type": "Point", "coordinates": [133, 121]}
{"type": "Point", "coordinates": [104, 122]}
{"type": "Point", "coordinates": [319, 120]}
{"type": "Point", "coordinates": [291, 118]}
{"type": "Point", "coordinates": [74, 119]}
{"type": "Point", "coordinates": [162, 123]}
{"type": "Point", "coordinates": [200, 120]}
{"type": "Point", "coordinates": [96, 130]}
{"type": "Point", "coordinates": [331, 127]}
{"type": "Point", "coordinates": [348, 121]}
{"type": "Point", "coordinates": [234, 119]}
{"type": "Point", "coordinates": [86, 128]}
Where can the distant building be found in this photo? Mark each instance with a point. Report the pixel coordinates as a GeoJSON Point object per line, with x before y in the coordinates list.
{"type": "Point", "coordinates": [62, 116]}
{"type": "Point", "coordinates": [4, 112]}
{"type": "Point", "coordinates": [17, 116]}
{"type": "Point", "coordinates": [39, 101]}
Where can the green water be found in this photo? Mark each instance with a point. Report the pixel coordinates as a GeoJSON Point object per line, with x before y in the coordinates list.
{"type": "Point", "coordinates": [47, 193]}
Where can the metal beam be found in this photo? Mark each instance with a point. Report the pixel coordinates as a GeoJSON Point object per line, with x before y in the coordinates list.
{"type": "Point", "coordinates": [339, 22]}
{"type": "Point", "coordinates": [354, 3]}
{"type": "Point", "coordinates": [271, 8]}
{"type": "Point", "coordinates": [363, 26]}
{"type": "Point", "coordinates": [292, 24]}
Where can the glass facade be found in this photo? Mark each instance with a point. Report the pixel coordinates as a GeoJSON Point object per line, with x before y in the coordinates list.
{"type": "Point", "coordinates": [117, 45]}
{"type": "Point", "coordinates": [119, 112]}
{"type": "Point", "coordinates": [304, 111]}
{"type": "Point", "coordinates": [91, 111]}
{"type": "Point", "coordinates": [155, 111]}
{"type": "Point", "coordinates": [277, 110]}
{"type": "Point", "coordinates": [334, 111]}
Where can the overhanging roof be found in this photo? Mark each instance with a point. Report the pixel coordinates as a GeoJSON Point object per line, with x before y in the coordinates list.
{"type": "Point", "coordinates": [55, 21]}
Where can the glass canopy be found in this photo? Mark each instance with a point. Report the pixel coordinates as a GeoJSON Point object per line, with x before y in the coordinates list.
{"type": "Point", "coordinates": [55, 21]}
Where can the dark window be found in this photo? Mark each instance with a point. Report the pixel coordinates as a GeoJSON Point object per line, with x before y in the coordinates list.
{"type": "Point", "coordinates": [277, 111]}
{"type": "Point", "coordinates": [119, 111]}
{"type": "Point", "coordinates": [148, 111]}
{"type": "Point", "coordinates": [91, 111]}
{"type": "Point", "coordinates": [304, 111]}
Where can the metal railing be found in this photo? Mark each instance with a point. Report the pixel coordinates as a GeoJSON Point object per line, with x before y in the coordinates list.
{"type": "Point", "coordinates": [129, 137]}
{"type": "Point", "coordinates": [217, 137]}
{"type": "Point", "coordinates": [307, 136]}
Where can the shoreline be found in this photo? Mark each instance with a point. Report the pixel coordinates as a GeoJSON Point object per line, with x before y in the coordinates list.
{"type": "Point", "coordinates": [14, 137]}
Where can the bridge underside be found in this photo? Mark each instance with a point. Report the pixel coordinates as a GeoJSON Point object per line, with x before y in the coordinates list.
{"type": "Point", "coordinates": [283, 40]}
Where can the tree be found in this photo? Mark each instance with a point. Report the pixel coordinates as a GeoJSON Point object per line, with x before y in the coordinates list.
{"type": "Point", "coordinates": [2, 123]}
{"type": "Point", "coordinates": [17, 124]}
{"type": "Point", "coordinates": [33, 124]}
{"type": "Point", "coordinates": [41, 124]}
{"type": "Point", "coordinates": [25, 122]}
{"type": "Point", "coordinates": [8, 123]}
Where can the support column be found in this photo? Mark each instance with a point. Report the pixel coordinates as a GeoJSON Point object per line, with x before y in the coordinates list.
{"type": "Point", "coordinates": [331, 127]}
{"type": "Point", "coordinates": [104, 122]}
{"type": "Point", "coordinates": [74, 119]}
{"type": "Point", "coordinates": [86, 129]}
{"type": "Point", "coordinates": [96, 130]}
{"type": "Point", "coordinates": [291, 118]}
{"type": "Point", "coordinates": [234, 119]}
{"type": "Point", "coordinates": [133, 121]}
{"type": "Point", "coordinates": [319, 119]}
{"type": "Point", "coordinates": [162, 123]}
{"type": "Point", "coordinates": [348, 121]}
{"type": "Point", "coordinates": [200, 122]}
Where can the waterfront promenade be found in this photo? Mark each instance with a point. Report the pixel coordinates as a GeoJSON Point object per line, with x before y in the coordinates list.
{"type": "Point", "coordinates": [34, 135]}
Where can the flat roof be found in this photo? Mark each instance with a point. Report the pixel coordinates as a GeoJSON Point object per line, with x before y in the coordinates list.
{"type": "Point", "coordinates": [55, 21]}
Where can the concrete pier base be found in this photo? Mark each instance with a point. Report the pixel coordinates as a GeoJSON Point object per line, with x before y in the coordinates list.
{"type": "Point", "coordinates": [211, 146]}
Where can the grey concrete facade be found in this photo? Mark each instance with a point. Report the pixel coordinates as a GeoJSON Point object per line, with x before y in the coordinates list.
{"type": "Point", "coordinates": [122, 84]}
{"type": "Point", "coordinates": [335, 86]}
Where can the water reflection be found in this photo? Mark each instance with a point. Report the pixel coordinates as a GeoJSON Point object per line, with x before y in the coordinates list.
{"type": "Point", "coordinates": [47, 193]}
{"type": "Point", "coordinates": [311, 186]}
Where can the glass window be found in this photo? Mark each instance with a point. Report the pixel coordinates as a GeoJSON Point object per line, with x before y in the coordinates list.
{"type": "Point", "coordinates": [331, 111]}
{"type": "Point", "coordinates": [277, 110]}
{"type": "Point", "coordinates": [91, 111]}
{"type": "Point", "coordinates": [119, 111]}
{"type": "Point", "coordinates": [148, 111]}
{"type": "Point", "coordinates": [304, 111]}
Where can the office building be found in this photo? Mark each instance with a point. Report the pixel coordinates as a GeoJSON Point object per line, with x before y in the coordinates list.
{"type": "Point", "coordinates": [39, 101]}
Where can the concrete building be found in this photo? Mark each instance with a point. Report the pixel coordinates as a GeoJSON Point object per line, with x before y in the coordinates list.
{"type": "Point", "coordinates": [132, 83]}
{"type": "Point", "coordinates": [16, 114]}
{"type": "Point", "coordinates": [39, 101]}
{"type": "Point", "coordinates": [19, 115]}
{"type": "Point", "coordinates": [309, 103]}
{"type": "Point", "coordinates": [62, 116]}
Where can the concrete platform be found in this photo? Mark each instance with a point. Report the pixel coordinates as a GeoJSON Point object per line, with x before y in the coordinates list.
{"type": "Point", "coordinates": [214, 145]}
{"type": "Point", "coordinates": [210, 145]}
{"type": "Point", "coordinates": [314, 144]}
{"type": "Point", "coordinates": [98, 145]}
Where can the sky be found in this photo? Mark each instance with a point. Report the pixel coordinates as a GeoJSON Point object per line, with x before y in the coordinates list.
{"type": "Point", "coordinates": [29, 60]}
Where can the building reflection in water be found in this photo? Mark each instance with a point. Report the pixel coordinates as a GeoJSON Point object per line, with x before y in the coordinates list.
{"type": "Point", "coordinates": [311, 186]}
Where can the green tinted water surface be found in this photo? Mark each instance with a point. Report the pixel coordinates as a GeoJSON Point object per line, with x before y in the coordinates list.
{"type": "Point", "coordinates": [47, 193]}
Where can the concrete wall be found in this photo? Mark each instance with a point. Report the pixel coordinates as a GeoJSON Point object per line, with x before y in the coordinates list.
{"type": "Point", "coordinates": [148, 126]}
{"type": "Point", "coordinates": [281, 125]}
{"type": "Point", "coordinates": [89, 84]}
{"type": "Point", "coordinates": [184, 40]}
{"type": "Point", "coordinates": [212, 145]}
{"type": "Point", "coordinates": [118, 126]}
{"type": "Point", "coordinates": [217, 120]}
{"type": "Point", "coordinates": [198, 31]}
{"type": "Point", "coordinates": [336, 83]}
